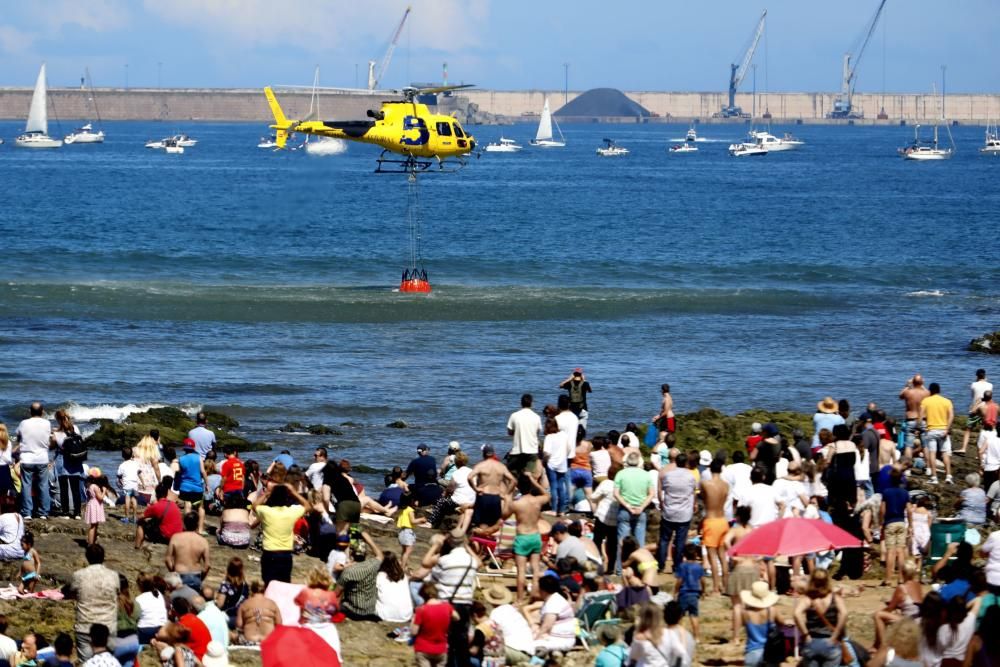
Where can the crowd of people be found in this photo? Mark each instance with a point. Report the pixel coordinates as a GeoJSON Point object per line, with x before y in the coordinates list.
{"type": "Point", "coordinates": [569, 507]}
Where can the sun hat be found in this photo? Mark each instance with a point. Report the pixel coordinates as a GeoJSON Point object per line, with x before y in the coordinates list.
{"type": "Point", "coordinates": [497, 594]}
{"type": "Point", "coordinates": [705, 457]}
{"type": "Point", "coordinates": [454, 446]}
{"type": "Point", "coordinates": [827, 405]}
{"type": "Point", "coordinates": [215, 655]}
{"type": "Point", "coordinates": [759, 596]}
{"type": "Point", "coordinates": [755, 427]}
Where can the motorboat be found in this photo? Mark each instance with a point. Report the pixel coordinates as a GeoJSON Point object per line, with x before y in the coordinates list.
{"type": "Point", "coordinates": [611, 149]}
{"type": "Point", "coordinates": [992, 144]}
{"type": "Point", "coordinates": [773, 144]}
{"type": "Point", "coordinates": [683, 148]}
{"type": "Point", "coordinates": [268, 142]}
{"type": "Point", "coordinates": [85, 135]}
{"type": "Point", "coordinates": [747, 149]}
{"type": "Point", "coordinates": [36, 131]}
{"type": "Point", "coordinates": [926, 149]}
{"type": "Point", "coordinates": [543, 138]}
{"type": "Point", "coordinates": [155, 143]}
{"type": "Point", "coordinates": [504, 145]}
{"type": "Point", "coordinates": [184, 141]}
{"type": "Point", "coordinates": [691, 135]}
{"type": "Point", "coordinates": [173, 146]}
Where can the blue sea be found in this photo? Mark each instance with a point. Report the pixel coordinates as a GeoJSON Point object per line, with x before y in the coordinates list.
{"type": "Point", "coordinates": [263, 284]}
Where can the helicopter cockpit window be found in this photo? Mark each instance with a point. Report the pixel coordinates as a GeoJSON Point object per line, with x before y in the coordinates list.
{"type": "Point", "coordinates": [458, 131]}
{"type": "Point", "coordinates": [444, 129]}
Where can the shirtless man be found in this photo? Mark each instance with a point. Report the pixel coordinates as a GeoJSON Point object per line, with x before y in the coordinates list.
{"type": "Point", "coordinates": [493, 484]}
{"type": "Point", "coordinates": [188, 555]}
{"type": "Point", "coordinates": [527, 510]}
{"type": "Point", "coordinates": [886, 452]}
{"type": "Point", "coordinates": [664, 419]}
{"type": "Point", "coordinates": [912, 394]}
{"type": "Point", "coordinates": [745, 568]}
{"type": "Point", "coordinates": [257, 616]}
{"type": "Point", "coordinates": [714, 491]}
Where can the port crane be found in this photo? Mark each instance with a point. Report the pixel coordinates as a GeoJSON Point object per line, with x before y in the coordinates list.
{"type": "Point", "coordinates": [738, 72]}
{"type": "Point", "coordinates": [374, 77]}
{"type": "Point", "coordinates": [842, 107]}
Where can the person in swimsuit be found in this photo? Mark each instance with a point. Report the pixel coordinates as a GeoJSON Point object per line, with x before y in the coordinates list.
{"type": "Point", "coordinates": [664, 419]}
{"type": "Point", "coordinates": [638, 565]}
{"type": "Point", "coordinates": [31, 565]}
{"type": "Point", "coordinates": [714, 491]}
{"type": "Point", "coordinates": [527, 510]}
{"type": "Point", "coordinates": [257, 616]}
{"type": "Point", "coordinates": [821, 617]}
{"type": "Point", "coordinates": [904, 603]}
{"type": "Point", "coordinates": [493, 484]}
{"type": "Point", "coordinates": [234, 524]}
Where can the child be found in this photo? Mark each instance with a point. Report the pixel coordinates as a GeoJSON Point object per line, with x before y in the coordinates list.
{"type": "Point", "coordinates": [404, 522]}
{"type": "Point", "coordinates": [128, 482]}
{"type": "Point", "coordinates": [97, 486]}
{"type": "Point", "coordinates": [233, 473]}
{"type": "Point", "coordinates": [921, 525]}
{"type": "Point", "coordinates": [690, 584]}
{"type": "Point", "coordinates": [31, 565]}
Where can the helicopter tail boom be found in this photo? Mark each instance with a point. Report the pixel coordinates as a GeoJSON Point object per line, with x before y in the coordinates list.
{"type": "Point", "coordinates": [282, 125]}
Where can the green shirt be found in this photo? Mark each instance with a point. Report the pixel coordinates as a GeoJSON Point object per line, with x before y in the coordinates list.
{"type": "Point", "coordinates": [633, 484]}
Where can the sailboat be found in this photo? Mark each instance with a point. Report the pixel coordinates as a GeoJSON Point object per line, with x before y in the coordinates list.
{"type": "Point", "coordinates": [36, 131]}
{"type": "Point", "coordinates": [86, 134]}
{"type": "Point", "coordinates": [922, 149]}
{"type": "Point", "coordinates": [543, 137]}
{"type": "Point", "coordinates": [992, 144]}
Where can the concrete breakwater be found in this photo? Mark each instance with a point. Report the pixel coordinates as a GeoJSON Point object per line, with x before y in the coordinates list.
{"type": "Point", "coordinates": [218, 104]}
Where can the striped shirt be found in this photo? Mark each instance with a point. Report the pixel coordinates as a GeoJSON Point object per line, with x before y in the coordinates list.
{"type": "Point", "coordinates": [455, 576]}
{"type": "Point", "coordinates": [360, 585]}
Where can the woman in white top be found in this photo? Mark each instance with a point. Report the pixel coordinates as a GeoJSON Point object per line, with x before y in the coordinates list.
{"type": "Point", "coordinates": [11, 532]}
{"type": "Point", "coordinates": [464, 495]}
{"type": "Point", "coordinates": [600, 459]}
{"type": "Point", "coordinates": [6, 462]}
{"type": "Point", "coordinates": [556, 449]}
{"type": "Point", "coordinates": [606, 519]}
{"type": "Point", "coordinates": [394, 604]}
{"type": "Point", "coordinates": [152, 606]}
{"type": "Point", "coordinates": [657, 646]}
{"type": "Point", "coordinates": [556, 630]}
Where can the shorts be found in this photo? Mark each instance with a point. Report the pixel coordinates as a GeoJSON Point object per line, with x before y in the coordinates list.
{"type": "Point", "coordinates": [741, 579]}
{"type": "Point", "coordinates": [894, 535]}
{"type": "Point", "coordinates": [581, 478]}
{"type": "Point", "coordinates": [28, 576]}
{"type": "Point", "coordinates": [937, 441]}
{"type": "Point", "coordinates": [349, 511]}
{"type": "Point", "coordinates": [526, 545]}
{"type": "Point", "coordinates": [668, 424]}
{"type": "Point", "coordinates": [911, 427]}
{"type": "Point", "coordinates": [407, 537]}
{"type": "Point", "coordinates": [713, 532]}
{"type": "Point", "coordinates": [689, 603]}
{"type": "Point", "coordinates": [151, 531]}
{"type": "Point", "coordinates": [192, 580]}
{"type": "Point", "coordinates": [487, 510]}
{"type": "Point", "coordinates": [974, 420]}
{"type": "Point", "coordinates": [193, 497]}
{"type": "Point", "coordinates": [130, 493]}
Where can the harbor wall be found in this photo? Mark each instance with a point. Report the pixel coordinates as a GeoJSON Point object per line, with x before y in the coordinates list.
{"type": "Point", "coordinates": [172, 104]}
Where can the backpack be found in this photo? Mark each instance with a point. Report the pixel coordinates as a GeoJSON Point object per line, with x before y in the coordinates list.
{"type": "Point", "coordinates": [73, 448]}
{"type": "Point", "coordinates": [775, 649]}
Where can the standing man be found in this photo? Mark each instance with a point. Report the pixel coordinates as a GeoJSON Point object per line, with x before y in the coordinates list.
{"type": "Point", "coordinates": [577, 387]}
{"type": "Point", "coordinates": [912, 395]}
{"type": "Point", "coordinates": [714, 492]}
{"type": "Point", "coordinates": [569, 423]}
{"type": "Point", "coordinates": [95, 589]}
{"type": "Point", "coordinates": [677, 489]}
{"type": "Point", "coordinates": [203, 437]}
{"type": "Point", "coordinates": [896, 513]}
{"type": "Point", "coordinates": [978, 389]}
{"type": "Point", "coordinates": [524, 426]}
{"type": "Point", "coordinates": [424, 471]}
{"type": "Point", "coordinates": [664, 419]}
{"type": "Point", "coordinates": [634, 491]}
{"type": "Point", "coordinates": [528, 541]}
{"type": "Point", "coordinates": [34, 435]}
{"type": "Point", "coordinates": [494, 487]}
{"type": "Point", "coordinates": [937, 413]}
{"type": "Point", "coordinates": [191, 482]}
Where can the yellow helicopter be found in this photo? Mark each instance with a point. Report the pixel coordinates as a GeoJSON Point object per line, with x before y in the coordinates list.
{"type": "Point", "coordinates": [404, 127]}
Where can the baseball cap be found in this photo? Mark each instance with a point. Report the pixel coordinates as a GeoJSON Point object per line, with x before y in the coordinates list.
{"type": "Point", "coordinates": [770, 429]}
{"type": "Point", "coordinates": [488, 450]}
{"type": "Point", "coordinates": [423, 448]}
{"type": "Point", "coordinates": [454, 446]}
{"type": "Point", "coordinates": [577, 371]}
{"type": "Point", "coordinates": [705, 457]}
{"type": "Point", "coordinates": [755, 427]}
{"type": "Point", "coordinates": [560, 528]}
{"type": "Point", "coordinates": [189, 443]}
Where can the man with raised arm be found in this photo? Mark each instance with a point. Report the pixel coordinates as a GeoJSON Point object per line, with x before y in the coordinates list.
{"type": "Point", "coordinates": [527, 509]}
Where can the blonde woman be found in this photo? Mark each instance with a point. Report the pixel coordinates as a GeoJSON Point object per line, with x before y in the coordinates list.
{"type": "Point", "coordinates": [6, 463]}
{"type": "Point", "coordinates": [905, 602]}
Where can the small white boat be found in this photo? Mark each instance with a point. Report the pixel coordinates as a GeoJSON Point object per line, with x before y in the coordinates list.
{"type": "Point", "coordinates": [747, 150]}
{"type": "Point", "coordinates": [36, 131]}
{"type": "Point", "coordinates": [773, 144]}
{"type": "Point", "coordinates": [155, 143]}
{"type": "Point", "coordinates": [184, 141]}
{"type": "Point", "coordinates": [611, 149]}
{"type": "Point", "coordinates": [992, 144]}
{"type": "Point", "coordinates": [683, 148]}
{"type": "Point", "coordinates": [691, 135]}
{"type": "Point", "coordinates": [268, 142]}
{"type": "Point", "coordinates": [85, 135]}
{"type": "Point", "coordinates": [543, 138]}
{"type": "Point", "coordinates": [926, 150]}
{"type": "Point", "coordinates": [504, 145]}
{"type": "Point", "coordinates": [173, 146]}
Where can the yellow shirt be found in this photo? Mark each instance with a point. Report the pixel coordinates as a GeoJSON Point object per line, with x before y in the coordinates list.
{"type": "Point", "coordinates": [405, 518]}
{"type": "Point", "coordinates": [278, 524]}
{"type": "Point", "coordinates": [936, 409]}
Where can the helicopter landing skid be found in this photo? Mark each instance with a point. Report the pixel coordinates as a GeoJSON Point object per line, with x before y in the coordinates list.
{"type": "Point", "coordinates": [411, 165]}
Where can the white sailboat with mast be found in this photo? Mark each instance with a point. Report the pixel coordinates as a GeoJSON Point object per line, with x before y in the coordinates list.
{"type": "Point", "coordinates": [923, 149]}
{"type": "Point", "coordinates": [86, 134]}
{"type": "Point", "coordinates": [543, 138]}
{"type": "Point", "coordinates": [36, 131]}
{"type": "Point", "coordinates": [992, 144]}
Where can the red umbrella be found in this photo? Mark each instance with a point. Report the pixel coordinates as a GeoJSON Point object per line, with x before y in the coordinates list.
{"type": "Point", "coordinates": [293, 646]}
{"type": "Point", "coordinates": [793, 537]}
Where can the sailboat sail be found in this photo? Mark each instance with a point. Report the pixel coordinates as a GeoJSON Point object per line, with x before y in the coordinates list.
{"type": "Point", "coordinates": [545, 124]}
{"type": "Point", "coordinates": [38, 119]}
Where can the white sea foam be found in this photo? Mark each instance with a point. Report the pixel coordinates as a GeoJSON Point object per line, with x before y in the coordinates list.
{"type": "Point", "coordinates": [923, 292]}
{"type": "Point", "coordinates": [91, 413]}
{"type": "Point", "coordinates": [326, 146]}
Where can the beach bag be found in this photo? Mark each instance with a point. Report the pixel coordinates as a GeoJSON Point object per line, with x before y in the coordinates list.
{"type": "Point", "coordinates": [652, 433]}
{"type": "Point", "coordinates": [74, 450]}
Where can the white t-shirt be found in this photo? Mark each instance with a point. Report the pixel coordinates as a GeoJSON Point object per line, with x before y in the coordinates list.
{"type": "Point", "coordinates": [862, 473]}
{"type": "Point", "coordinates": [991, 547]}
{"type": "Point", "coordinates": [464, 494]}
{"type": "Point", "coordinates": [600, 462]}
{"type": "Point", "coordinates": [128, 475]}
{"type": "Point", "coordinates": [152, 610]}
{"type": "Point", "coordinates": [526, 425]}
{"type": "Point", "coordinates": [394, 604]}
{"type": "Point", "coordinates": [516, 631]}
{"type": "Point", "coordinates": [33, 434]}
{"type": "Point", "coordinates": [991, 459]}
{"type": "Point", "coordinates": [569, 424]}
{"type": "Point", "coordinates": [978, 388]}
{"type": "Point", "coordinates": [607, 506]}
{"type": "Point", "coordinates": [556, 448]}
{"type": "Point", "coordinates": [737, 476]}
{"type": "Point", "coordinates": [761, 501]}
{"type": "Point", "coordinates": [336, 557]}
{"type": "Point", "coordinates": [788, 491]}
{"type": "Point", "coordinates": [6, 459]}
{"type": "Point", "coordinates": [954, 644]}
{"type": "Point", "coordinates": [8, 647]}
{"type": "Point", "coordinates": [562, 636]}
{"type": "Point", "coordinates": [314, 473]}
{"type": "Point", "coordinates": [165, 470]}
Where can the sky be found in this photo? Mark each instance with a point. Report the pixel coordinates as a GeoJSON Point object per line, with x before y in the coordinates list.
{"type": "Point", "coordinates": [499, 44]}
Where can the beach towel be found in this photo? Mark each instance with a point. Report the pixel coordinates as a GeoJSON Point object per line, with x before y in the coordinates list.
{"type": "Point", "coordinates": [284, 596]}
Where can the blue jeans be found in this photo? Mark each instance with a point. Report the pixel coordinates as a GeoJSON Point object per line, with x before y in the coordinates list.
{"type": "Point", "coordinates": [559, 488]}
{"type": "Point", "coordinates": [754, 658]}
{"type": "Point", "coordinates": [821, 653]}
{"type": "Point", "coordinates": [866, 486]}
{"type": "Point", "coordinates": [28, 472]}
{"type": "Point", "coordinates": [679, 531]}
{"type": "Point", "coordinates": [911, 427]}
{"type": "Point", "coordinates": [126, 649]}
{"type": "Point", "coordinates": [629, 524]}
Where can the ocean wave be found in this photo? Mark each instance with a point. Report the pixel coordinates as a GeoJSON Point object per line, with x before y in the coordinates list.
{"type": "Point", "coordinates": [926, 292]}
{"type": "Point", "coordinates": [117, 413]}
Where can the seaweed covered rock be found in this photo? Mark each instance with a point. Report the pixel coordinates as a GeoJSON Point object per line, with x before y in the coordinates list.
{"type": "Point", "coordinates": [173, 424]}
{"type": "Point", "coordinates": [988, 343]}
{"type": "Point", "coordinates": [312, 429]}
{"type": "Point", "coordinates": [712, 430]}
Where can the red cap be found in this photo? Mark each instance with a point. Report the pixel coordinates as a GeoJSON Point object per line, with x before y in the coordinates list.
{"type": "Point", "coordinates": [189, 443]}
{"type": "Point", "coordinates": [577, 370]}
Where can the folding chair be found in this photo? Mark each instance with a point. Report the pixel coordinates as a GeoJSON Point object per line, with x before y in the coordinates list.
{"type": "Point", "coordinates": [499, 549]}
{"type": "Point", "coordinates": [597, 609]}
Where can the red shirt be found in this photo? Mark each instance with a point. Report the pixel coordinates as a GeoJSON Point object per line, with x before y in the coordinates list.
{"type": "Point", "coordinates": [233, 474]}
{"type": "Point", "coordinates": [752, 442]}
{"type": "Point", "coordinates": [200, 636]}
{"type": "Point", "coordinates": [433, 620]}
{"type": "Point", "coordinates": [168, 515]}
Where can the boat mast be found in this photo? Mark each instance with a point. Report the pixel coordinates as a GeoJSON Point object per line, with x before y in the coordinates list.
{"type": "Point", "coordinates": [93, 96]}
